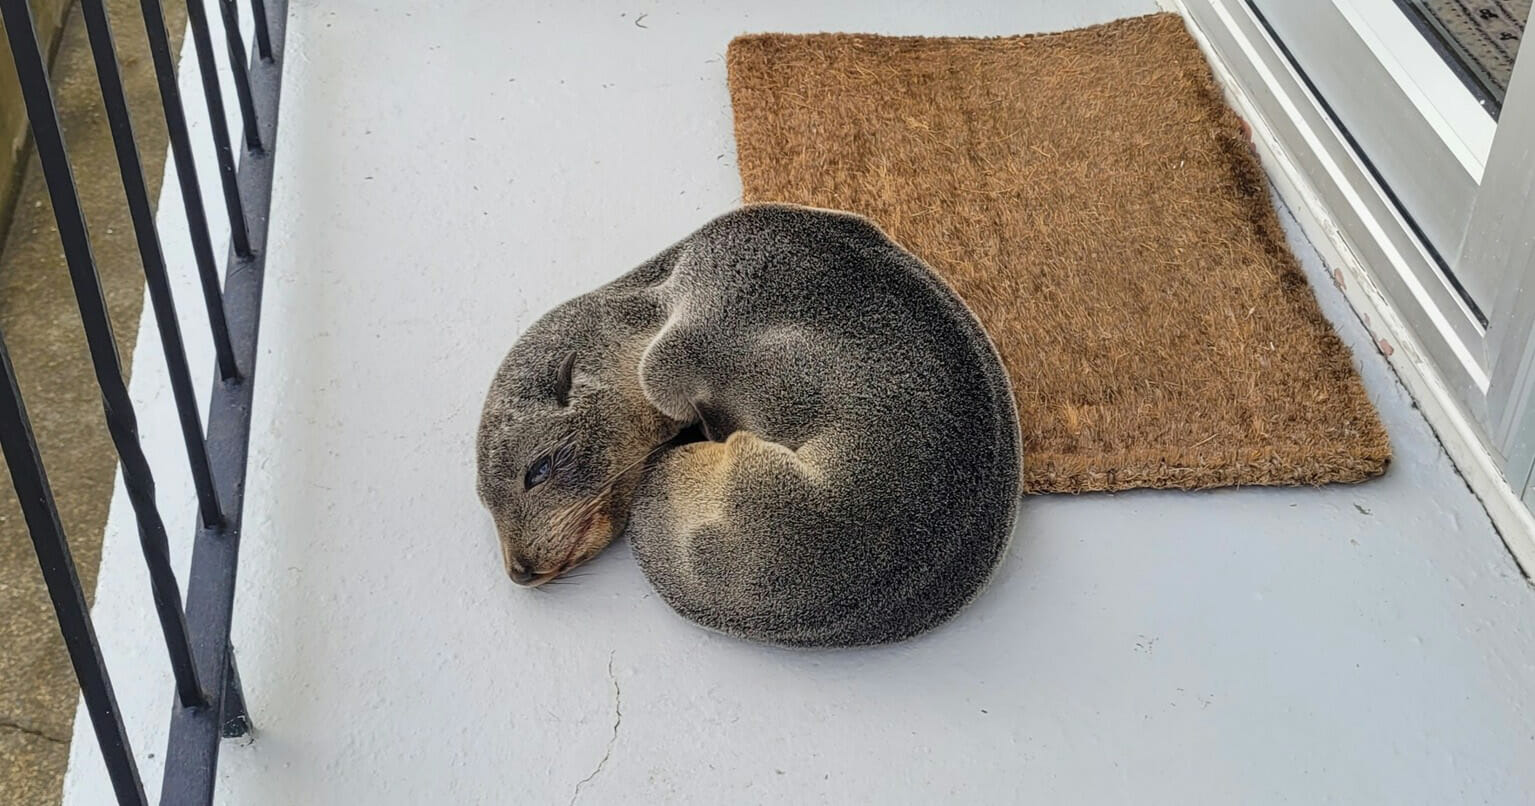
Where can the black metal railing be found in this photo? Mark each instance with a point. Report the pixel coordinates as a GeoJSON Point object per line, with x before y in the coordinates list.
{"type": "Point", "coordinates": [209, 703]}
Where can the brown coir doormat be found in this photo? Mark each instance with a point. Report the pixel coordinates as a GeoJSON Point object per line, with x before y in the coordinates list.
{"type": "Point", "coordinates": [1093, 199]}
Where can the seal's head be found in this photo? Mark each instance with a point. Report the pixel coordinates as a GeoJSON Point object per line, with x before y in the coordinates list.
{"type": "Point", "coordinates": [560, 453]}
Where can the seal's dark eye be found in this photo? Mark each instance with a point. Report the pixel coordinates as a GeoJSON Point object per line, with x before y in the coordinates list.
{"type": "Point", "coordinates": [538, 473]}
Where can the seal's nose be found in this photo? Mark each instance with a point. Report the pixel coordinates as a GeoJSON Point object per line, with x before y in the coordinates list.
{"type": "Point", "coordinates": [521, 577]}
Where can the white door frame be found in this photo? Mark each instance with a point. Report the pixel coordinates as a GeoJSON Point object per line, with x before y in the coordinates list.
{"type": "Point", "coordinates": [1501, 239]}
{"type": "Point", "coordinates": [1474, 385]}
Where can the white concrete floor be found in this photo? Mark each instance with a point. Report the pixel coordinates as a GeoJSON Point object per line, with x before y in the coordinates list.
{"type": "Point", "coordinates": [443, 178]}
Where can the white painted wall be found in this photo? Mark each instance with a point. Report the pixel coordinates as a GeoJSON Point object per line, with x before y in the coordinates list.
{"type": "Point", "coordinates": [443, 179]}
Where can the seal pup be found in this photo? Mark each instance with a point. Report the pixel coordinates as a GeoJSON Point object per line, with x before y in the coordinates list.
{"type": "Point", "coordinates": [806, 435]}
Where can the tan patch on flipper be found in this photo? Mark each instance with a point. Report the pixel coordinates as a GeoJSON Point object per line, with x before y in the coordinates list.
{"type": "Point", "coordinates": [701, 479]}
{"type": "Point", "coordinates": [697, 481]}
{"type": "Point", "coordinates": [744, 444]}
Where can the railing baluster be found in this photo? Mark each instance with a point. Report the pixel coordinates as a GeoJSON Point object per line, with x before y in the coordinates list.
{"type": "Point", "coordinates": [202, 42]}
{"type": "Point", "coordinates": [142, 212]}
{"type": "Point", "coordinates": [191, 193]}
{"type": "Point", "coordinates": [263, 31]}
{"type": "Point", "coordinates": [197, 636]}
{"type": "Point", "coordinates": [58, 568]}
{"type": "Point", "coordinates": [121, 422]}
{"type": "Point", "coordinates": [231, 15]}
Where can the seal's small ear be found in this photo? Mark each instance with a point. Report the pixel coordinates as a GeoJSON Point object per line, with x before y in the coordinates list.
{"type": "Point", "coordinates": [562, 380]}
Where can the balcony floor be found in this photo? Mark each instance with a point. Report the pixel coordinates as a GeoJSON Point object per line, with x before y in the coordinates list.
{"type": "Point", "coordinates": [443, 178]}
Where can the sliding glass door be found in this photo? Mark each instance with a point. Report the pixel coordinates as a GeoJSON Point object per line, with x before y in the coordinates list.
{"type": "Point", "coordinates": [1419, 86]}
{"type": "Point", "coordinates": [1437, 99]}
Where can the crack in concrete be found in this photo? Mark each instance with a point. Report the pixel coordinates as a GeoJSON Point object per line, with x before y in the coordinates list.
{"type": "Point", "coordinates": [6, 724]}
{"type": "Point", "coordinates": [618, 719]}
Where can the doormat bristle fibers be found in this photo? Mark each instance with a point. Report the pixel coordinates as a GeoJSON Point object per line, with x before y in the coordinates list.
{"type": "Point", "coordinates": [1097, 204]}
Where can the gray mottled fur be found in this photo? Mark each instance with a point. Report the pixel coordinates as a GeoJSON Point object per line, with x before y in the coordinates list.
{"type": "Point", "coordinates": [860, 481]}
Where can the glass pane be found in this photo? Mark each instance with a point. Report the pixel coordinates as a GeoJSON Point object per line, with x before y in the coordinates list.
{"type": "Point", "coordinates": [1477, 37]}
